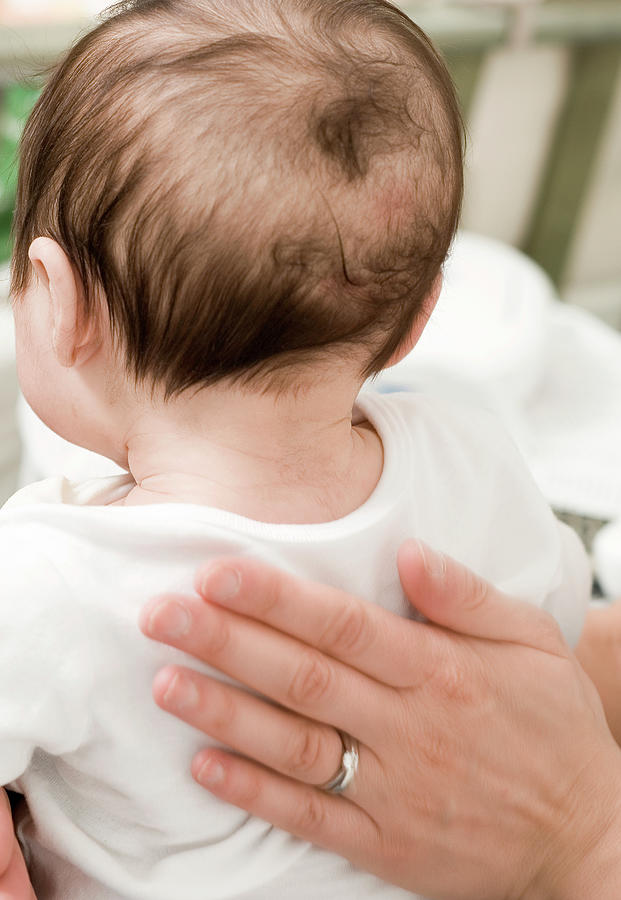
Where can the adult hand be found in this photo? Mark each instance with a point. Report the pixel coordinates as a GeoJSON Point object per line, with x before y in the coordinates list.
{"type": "Point", "coordinates": [14, 880]}
{"type": "Point", "coordinates": [487, 770]}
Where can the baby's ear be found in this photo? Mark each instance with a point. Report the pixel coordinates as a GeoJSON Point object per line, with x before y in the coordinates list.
{"type": "Point", "coordinates": [419, 324]}
{"type": "Point", "coordinates": [75, 336]}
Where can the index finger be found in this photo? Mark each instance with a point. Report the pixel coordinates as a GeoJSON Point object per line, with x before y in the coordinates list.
{"type": "Point", "coordinates": [372, 640]}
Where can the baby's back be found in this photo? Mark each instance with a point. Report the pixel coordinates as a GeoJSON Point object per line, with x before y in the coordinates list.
{"type": "Point", "coordinates": [114, 811]}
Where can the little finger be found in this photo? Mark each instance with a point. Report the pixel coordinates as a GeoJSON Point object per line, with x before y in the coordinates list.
{"type": "Point", "coordinates": [314, 815]}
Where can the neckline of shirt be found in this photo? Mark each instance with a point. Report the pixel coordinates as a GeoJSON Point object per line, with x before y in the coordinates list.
{"type": "Point", "coordinates": [88, 496]}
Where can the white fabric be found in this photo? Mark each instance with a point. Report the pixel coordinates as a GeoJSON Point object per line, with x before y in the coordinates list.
{"type": "Point", "coordinates": [105, 772]}
{"type": "Point", "coordinates": [490, 327]}
{"type": "Point", "coordinates": [571, 434]}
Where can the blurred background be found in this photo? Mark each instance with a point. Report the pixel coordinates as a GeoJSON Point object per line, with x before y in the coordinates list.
{"type": "Point", "coordinates": [540, 86]}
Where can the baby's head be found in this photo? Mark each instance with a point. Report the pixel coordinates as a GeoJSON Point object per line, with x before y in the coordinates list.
{"type": "Point", "coordinates": [245, 188]}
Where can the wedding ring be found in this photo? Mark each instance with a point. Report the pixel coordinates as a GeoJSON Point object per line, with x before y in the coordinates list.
{"type": "Point", "coordinates": [348, 768]}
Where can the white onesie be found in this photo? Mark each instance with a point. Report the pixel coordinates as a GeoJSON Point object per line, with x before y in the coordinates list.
{"type": "Point", "coordinates": [114, 811]}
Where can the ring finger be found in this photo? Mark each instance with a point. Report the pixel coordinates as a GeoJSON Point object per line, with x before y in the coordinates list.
{"type": "Point", "coordinates": [288, 743]}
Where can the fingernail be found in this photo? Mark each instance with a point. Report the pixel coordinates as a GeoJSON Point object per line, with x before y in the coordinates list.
{"type": "Point", "coordinates": [221, 584]}
{"type": "Point", "coordinates": [181, 694]}
{"type": "Point", "coordinates": [211, 773]}
{"type": "Point", "coordinates": [435, 563]}
{"type": "Point", "coordinates": [170, 619]}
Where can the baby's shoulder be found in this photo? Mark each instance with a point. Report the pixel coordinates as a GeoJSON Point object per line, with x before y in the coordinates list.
{"type": "Point", "coordinates": [39, 526]}
{"type": "Point", "coordinates": [453, 426]}
{"type": "Point", "coordinates": [61, 491]}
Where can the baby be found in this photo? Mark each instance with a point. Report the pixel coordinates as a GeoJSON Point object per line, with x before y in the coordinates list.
{"type": "Point", "coordinates": [229, 216]}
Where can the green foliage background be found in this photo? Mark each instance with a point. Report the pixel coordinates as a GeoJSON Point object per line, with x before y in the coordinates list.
{"type": "Point", "coordinates": [16, 101]}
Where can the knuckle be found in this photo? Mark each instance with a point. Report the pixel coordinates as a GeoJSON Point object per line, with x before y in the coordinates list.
{"type": "Point", "coordinates": [247, 791]}
{"type": "Point", "coordinates": [310, 814]}
{"type": "Point", "coordinates": [305, 752]}
{"type": "Point", "coordinates": [222, 711]}
{"type": "Point", "coordinates": [437, 750]}
{"type": "Point", "coordinates": [349, 630]}
{"type": "Point", "coordinates": [457, 681]}
{"type": "Point", "coordinates": [475, 591]}
{"type": "Point", "coordinates": [268, 596]}
{"type": "Point", "coordinates": [216, 641]}
{"type": "Point", "coordinates": [312, 680]}
{"type": "Point", "coordinates": [549, 632]}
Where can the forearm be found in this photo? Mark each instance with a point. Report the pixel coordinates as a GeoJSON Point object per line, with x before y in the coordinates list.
{"type": "Point", "coordinates": [594, 860]}
{"type": "Point", "coordinates": [599, 653]}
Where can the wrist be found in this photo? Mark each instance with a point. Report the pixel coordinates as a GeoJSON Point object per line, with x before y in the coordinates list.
{"type": "Point", "coordinates": [599, 653]}
{"type": "Point", "coordinates": [584, 860]}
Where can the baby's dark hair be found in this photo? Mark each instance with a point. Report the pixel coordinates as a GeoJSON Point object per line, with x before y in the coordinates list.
{"type": "Point", "coordinates": [248, 186]}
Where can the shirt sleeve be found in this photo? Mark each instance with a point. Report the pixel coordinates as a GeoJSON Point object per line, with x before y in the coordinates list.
{"type": "Point", "coordinates": [545, 561]}
{"type": "Point", "coordinates": [492, 517]}
{"type": "Point", "coordinates": [568, 602]}
{"type": "Point", "coordinates": [41, 679]}
{"type": "Point", "coordinates": [538, 557]}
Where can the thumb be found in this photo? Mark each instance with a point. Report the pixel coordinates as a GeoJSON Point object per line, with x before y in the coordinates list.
{"type": "Point", "coordinates": [449, 594]}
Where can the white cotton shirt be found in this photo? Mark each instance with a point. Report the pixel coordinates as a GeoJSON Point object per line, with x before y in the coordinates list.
{"type": "Point", "coordinates": [114, 811]}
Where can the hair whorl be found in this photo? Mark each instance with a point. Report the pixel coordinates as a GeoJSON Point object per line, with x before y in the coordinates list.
{"type": "Point", "coordinates": [247, 186]}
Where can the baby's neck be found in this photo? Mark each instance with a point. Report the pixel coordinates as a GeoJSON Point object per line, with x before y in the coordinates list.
{"type": "Point", "coordinates": [295, 459]}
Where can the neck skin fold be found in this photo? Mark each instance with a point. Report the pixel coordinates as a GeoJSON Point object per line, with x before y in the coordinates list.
{"type": "Point", "coordinates": [295, 457]}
